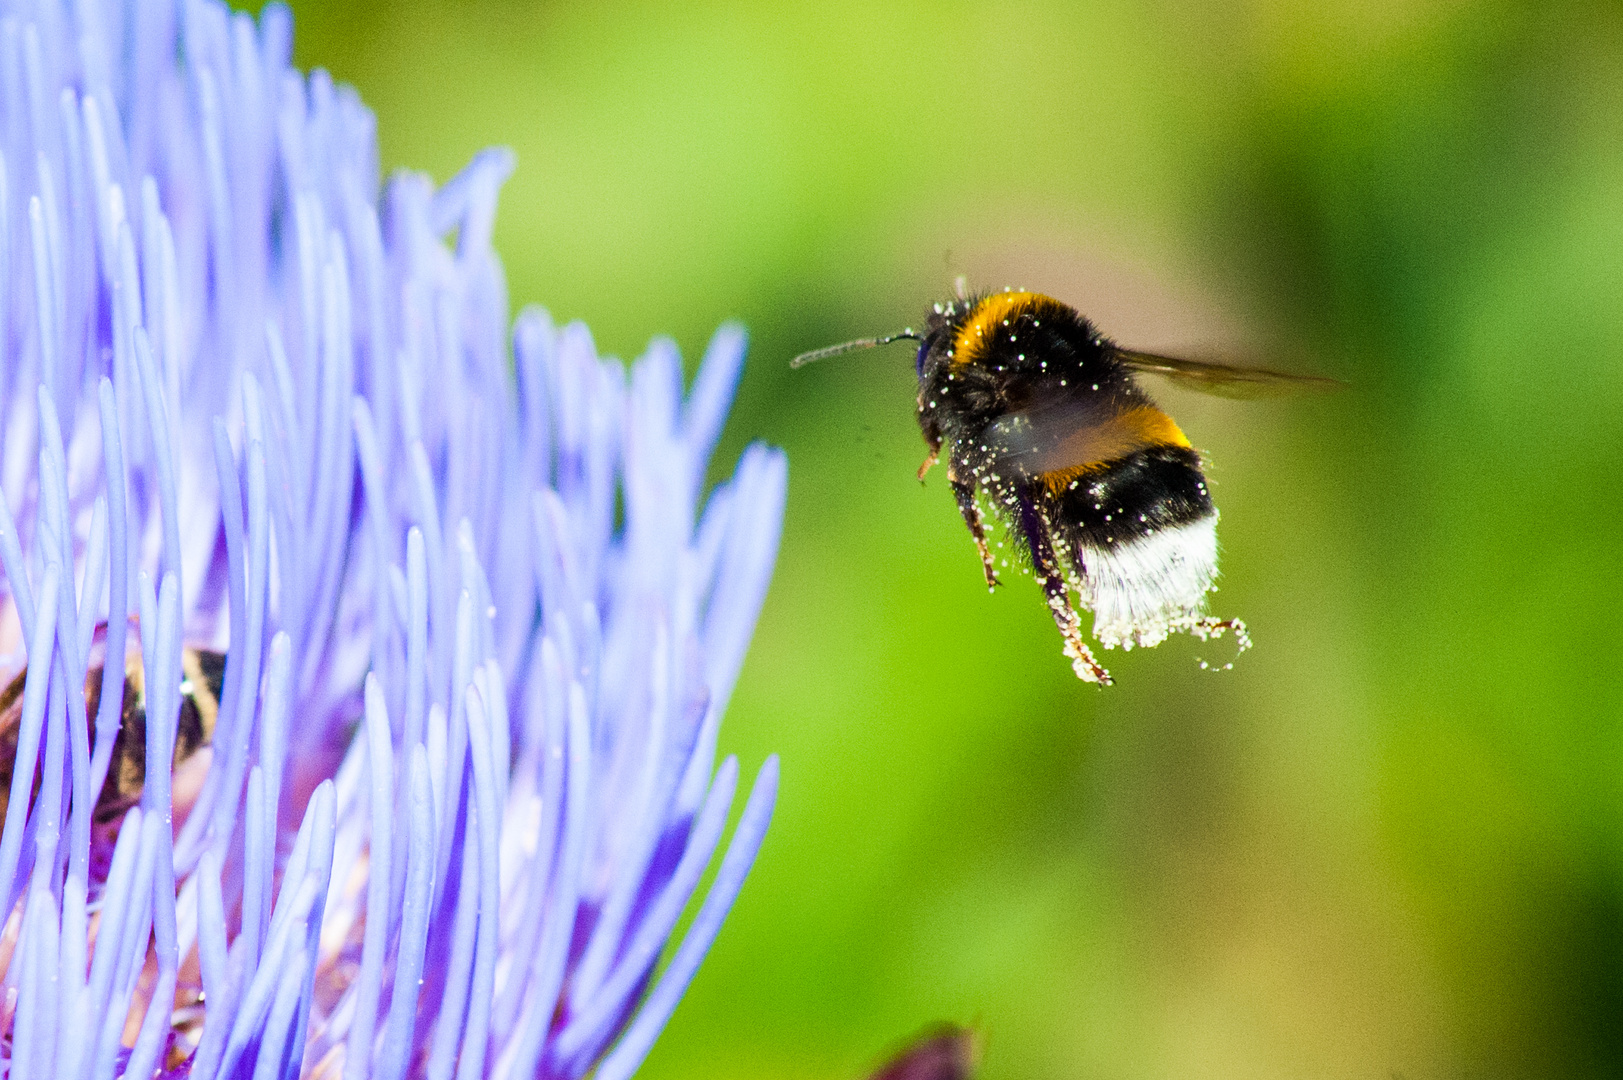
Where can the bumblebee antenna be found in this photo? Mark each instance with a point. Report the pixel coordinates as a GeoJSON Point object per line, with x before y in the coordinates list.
{"type": "Point", "coordinates": [852, 346]}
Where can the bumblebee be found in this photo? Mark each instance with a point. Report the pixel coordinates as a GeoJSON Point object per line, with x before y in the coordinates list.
{"type": "Point", "coordinates": [203, 676]}
{"type": "Point", "coordinates": [1039, 413]}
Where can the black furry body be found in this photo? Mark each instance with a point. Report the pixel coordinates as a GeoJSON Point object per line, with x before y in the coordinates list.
{"type": "Point", "coordinates": [1040, 412]}
{"type": "Point", "coordinates": [1040, 373]}
{"type": "Point", "coordinates": [1155, 488]}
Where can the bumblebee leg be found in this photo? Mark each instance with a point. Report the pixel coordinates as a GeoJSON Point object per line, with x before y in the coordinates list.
{"type": "Point", "coordinates": [932, 438]}
{"type": "Point", "coordinates": [1207, 628]}
{"type": "Point", "coordinates": [929, 462]}
{"type": "Point", "coordinates": [1047, 567]}
{"type": "Point", "coordinates": [971, 510]}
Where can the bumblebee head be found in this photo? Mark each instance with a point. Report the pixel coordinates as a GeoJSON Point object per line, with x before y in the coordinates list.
{"type": "Point", "coordinates": [939, 326]}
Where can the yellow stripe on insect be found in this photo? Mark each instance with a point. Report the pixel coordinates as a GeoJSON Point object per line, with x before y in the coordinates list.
{"type": "Point", "coordinates": [1102, 445]}
{"type": "Point", "coordinates": [981, 326]}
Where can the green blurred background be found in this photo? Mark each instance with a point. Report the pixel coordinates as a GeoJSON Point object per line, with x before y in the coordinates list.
{"type": "Point", "coordinates": [1388, 844]}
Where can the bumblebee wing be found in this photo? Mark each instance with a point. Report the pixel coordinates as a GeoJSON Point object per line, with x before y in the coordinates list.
{"type": "Point", "coordinates": [1057, 436]}
{"type": "Point", "coordinates": [1223, 379]}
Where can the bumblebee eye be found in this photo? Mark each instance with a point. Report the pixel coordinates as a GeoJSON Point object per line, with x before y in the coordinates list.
{"type": "Point", "coordinates": [924, 348]}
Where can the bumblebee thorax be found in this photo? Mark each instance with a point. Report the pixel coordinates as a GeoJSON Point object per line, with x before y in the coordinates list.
{"type": "Point", "coordinates": [1015, 335]}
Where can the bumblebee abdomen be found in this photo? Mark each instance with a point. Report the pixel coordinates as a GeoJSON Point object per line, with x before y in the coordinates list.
{"type": "Point", "coordinates": [1142, 534]}
{"type": "Point", "coordinates": [1120, 501]}
{"type": "Point", "coordinates": [203, 677]}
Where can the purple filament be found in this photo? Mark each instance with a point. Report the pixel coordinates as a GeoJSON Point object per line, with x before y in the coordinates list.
{"type": "Point", "coordinates": [480, 618]}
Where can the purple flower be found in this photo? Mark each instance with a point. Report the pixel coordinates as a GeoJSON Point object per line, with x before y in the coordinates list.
{"type": "Point", "coordinates": [479, 620]}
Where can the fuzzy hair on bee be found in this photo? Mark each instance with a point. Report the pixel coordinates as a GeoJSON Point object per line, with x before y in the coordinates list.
{"type": "Point", "coordinates": [203, 676]}
{"type": "Point", "coordinates": [1039, 414]}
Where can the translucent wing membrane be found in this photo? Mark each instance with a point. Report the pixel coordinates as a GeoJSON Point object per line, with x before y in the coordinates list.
{"type": "Point", "coordinates": [1054, 436]}
{"type": "Point", "coordinates": [1223, 379]}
